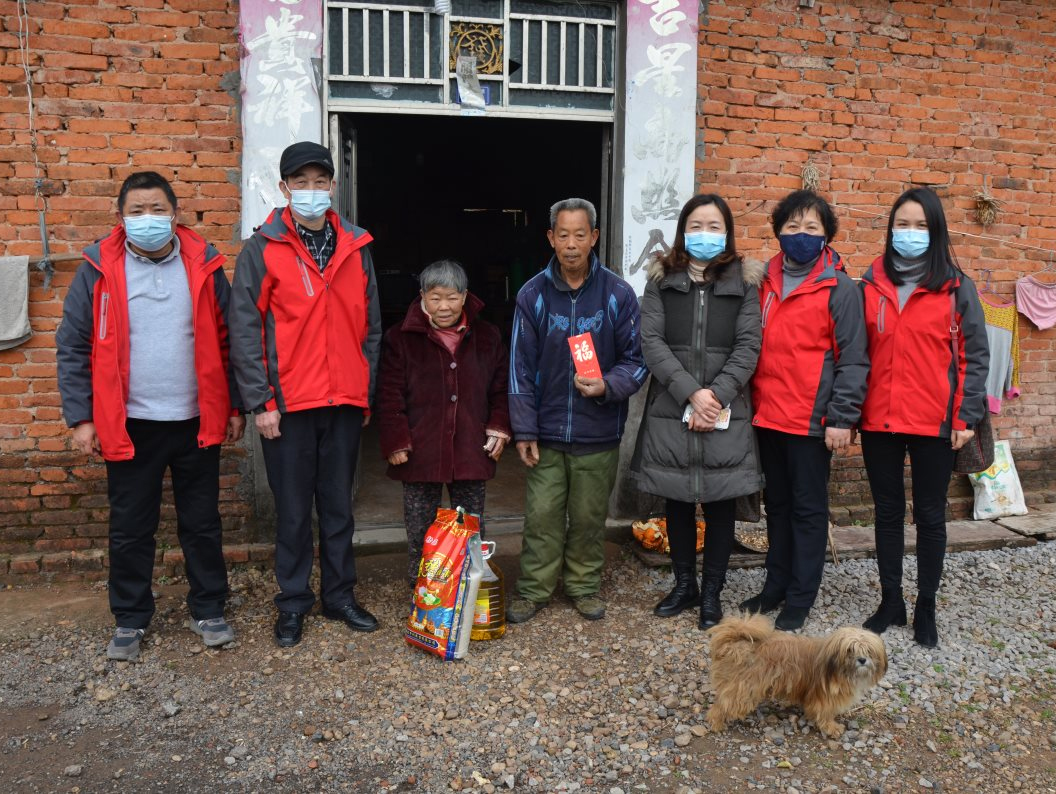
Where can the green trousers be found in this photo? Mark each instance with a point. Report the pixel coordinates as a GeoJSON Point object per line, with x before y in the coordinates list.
{"type": "Point", "coordinates": [564, 523]}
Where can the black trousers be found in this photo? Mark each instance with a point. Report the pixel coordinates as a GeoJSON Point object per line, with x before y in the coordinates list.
{"type": "Point", "coordinates": [797, 514]}
{"type": "Point", "coordinates": [420, 502]}
{"type": "Point", "coordinates": [313, 461]}
{"type": "Point", "coordinates": [931, 466]}
{"type": "Point", "coordinates": [134, 488]}
{"type": "Point", "coordinates": [719, 518]}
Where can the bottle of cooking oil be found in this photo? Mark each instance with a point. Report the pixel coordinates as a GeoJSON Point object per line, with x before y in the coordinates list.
{"type": "Point", "coordinates": [489, 616]}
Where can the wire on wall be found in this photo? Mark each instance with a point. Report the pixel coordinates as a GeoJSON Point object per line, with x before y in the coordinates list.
{"type": "Point", "coordinates": [45, 263]}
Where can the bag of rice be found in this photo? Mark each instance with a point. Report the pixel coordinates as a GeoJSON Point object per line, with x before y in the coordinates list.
{"type": "Point", "coordinates": [449, 575]}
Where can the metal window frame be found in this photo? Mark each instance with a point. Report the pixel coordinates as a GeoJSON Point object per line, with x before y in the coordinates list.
{"type": "Point", "coordinates": [447, 107]}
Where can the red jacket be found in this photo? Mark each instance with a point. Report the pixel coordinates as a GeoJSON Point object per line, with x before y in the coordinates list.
{"type": "Point", "coordinates": [812, 365]}
{"type": "Point", "coordinates": [915, 385]}
{"type": "Point", "coordinates": [93, 342]}
{"type": "Point", "coordinates": [437, 405]}
{"type": "Point", "coordinates": [303, 339]}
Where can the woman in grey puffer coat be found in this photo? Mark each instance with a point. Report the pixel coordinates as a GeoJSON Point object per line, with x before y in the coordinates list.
{"type": "Point", "coordinates": [700, 338]}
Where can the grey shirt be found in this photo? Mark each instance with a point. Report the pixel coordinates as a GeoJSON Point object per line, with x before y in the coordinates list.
{"type": "Point", "coordinates": [162, 385]}
{"type": "Point", "coordinates": [911, 271]}
{"type": "Point", "coordinates": [793, 274]}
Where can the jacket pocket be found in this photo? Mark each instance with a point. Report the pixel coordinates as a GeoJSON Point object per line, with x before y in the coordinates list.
{"type": "Point", "coordinates": [309, 290]}
{"type": "Point", "coordinates": [104, 308]}
{"type": "Point", "coordinates": [881, 315]}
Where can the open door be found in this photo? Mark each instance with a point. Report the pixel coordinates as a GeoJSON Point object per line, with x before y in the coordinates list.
{"type": "Point", "coordinates": [342, 141]}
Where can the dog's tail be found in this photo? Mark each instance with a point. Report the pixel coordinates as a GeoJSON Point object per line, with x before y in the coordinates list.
{"type": "Point", "coordinates": [737, 631]}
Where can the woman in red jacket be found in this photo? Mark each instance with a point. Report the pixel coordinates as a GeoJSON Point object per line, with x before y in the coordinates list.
{"type": "Point", "coordinates": [926, 394]}
{"type": "Point", "coordinates": [442, 410]}
{"type": "Point", "coordinates": [807, 391]}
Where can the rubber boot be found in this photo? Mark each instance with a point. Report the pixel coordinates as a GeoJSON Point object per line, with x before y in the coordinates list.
{"type": "Point", "coordinates": [891, 612]}
{"type": "Point", "coordinates": [684, 594]}
{"type": "Point", "coordinates": [924, 631]}
{"type": "Point", "coordinates": [711, 584]}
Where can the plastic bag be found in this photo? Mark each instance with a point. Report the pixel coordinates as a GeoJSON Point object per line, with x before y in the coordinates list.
{"type": "Point", "coordinates": [445, 594]}
{"type": "Point", "coordinates": [997, 490]}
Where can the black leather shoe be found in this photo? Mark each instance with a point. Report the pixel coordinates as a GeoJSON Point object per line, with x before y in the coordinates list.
{"type": "Point", "coordinates": [288, 629]}
{"type": "Point", "coordinates": [791, 618]}
{"type": "Point", "coordinates": [354, 616]}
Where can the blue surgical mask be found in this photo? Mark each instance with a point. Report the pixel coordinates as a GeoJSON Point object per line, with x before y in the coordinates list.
{"type": "Point", "coordinates": [148, 232]}
{"type": "Point", "coordinates": [705, 246]}
{"type": "Point", "coordinates": [310, 204]}
{"type": "Point", "coordinates": [910, 243]}
{"type": "Point", "coordinates": [802, 247]}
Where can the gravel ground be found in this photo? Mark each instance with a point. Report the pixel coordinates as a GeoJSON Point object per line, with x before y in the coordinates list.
{"type": "Point", "coordinates": [558, 704]}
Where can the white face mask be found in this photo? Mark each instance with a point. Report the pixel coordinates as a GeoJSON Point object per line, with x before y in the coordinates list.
{"type": "Point", "coordinates": [309, 204]}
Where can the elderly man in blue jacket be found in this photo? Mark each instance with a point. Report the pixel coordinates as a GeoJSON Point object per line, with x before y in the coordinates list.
{"type": "Point", "coordinates": [568, 427]}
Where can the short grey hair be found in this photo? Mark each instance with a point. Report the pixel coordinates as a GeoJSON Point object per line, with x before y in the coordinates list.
{"type": "Point", "coordinates": [574, 205]}
{"type": "Point", "coordinates": [446, 274]}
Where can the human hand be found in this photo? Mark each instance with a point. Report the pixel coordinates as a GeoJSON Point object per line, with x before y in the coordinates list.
{"type": "Point", "coordinates": [529, 452]}
{"type": "Point", "coordinates": [590, 387]}
{"type": "Point", "coordinates": [699, 423]}
{"type": "Point", "coordinates": [494, 447]}
{"type": "Point", "coordinates": [836, 438]}
{"type": "Point", "coordinates": [268, 424]}
{"type": "Point", "coordinates": [399, 458]}
{"type": "Point", "coordinates": [236, 426]}
{"type": "Point", "coordinates": [366, 419]}
{"type": "Point", "coordinates": [961, 437]}
{"type": "Point", "coordinates": [705, 403]}
{"type": "Point", "coordinates": [85, 439]}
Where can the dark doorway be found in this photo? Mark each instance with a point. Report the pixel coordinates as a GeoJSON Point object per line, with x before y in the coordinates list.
{"type": "Point", "coordinates": [477, 190]}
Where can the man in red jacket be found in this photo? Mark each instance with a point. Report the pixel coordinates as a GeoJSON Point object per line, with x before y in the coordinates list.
{"type": "Point", "coordinates": [305, 337]}
{"type": "Point", "coordinates": [142, 366]}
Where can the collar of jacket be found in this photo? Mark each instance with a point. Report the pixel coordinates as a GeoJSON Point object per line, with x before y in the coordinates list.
{"type": "Point", "coordinates": [823, 274]}
{"type": "Point", "coordinates": [417, 321]}
{"type": "Point", "coordinates": [554, 274]}
{"type": "Point", "coordinates": [280, 228]}
{"type": "Point", "coordinates": [733, 281]}
{"type": "Point", "coordinates": [109, 252]}
{"type": "Point", "coordinates": [877, 276]}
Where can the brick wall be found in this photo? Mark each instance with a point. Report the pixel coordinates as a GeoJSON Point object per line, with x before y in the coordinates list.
{"type": "Point", "coordinates": [116, 89]}
{"type": "Point", "coordinates": [881, 96]}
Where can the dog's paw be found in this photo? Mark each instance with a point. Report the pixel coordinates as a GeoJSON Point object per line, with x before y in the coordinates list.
{"type": "Point", "coordinates": [716, 724]}
{"type": "Point", "coordinates": [831, 729]}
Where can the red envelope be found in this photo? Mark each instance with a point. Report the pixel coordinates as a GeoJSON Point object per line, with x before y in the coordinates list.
{"type": "Point", "coordinates": [583, 356]}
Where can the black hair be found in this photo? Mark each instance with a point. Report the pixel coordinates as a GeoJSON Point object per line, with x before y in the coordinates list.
{"type": "Point", "coordinates": [145, 180]}
{"type": "Point", "coordinates": [799, 203]}
{"type": "Point", "coordinates": [677, 258]}
{"type": "Point", "coordinates": [939, 256]}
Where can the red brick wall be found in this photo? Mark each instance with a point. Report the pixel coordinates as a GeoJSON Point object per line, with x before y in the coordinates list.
{"type": "Point", "coordinates": [880, 96]}
{"type": "Point", "coordinates": [116, 89]}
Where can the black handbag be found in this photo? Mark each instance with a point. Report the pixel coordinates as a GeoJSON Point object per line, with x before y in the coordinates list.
{"type": "Point", "coordinates": [978, 454]}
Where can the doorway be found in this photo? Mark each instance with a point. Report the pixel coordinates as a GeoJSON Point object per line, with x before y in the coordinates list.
{"type": "Point", "coordinates": [474, 189]}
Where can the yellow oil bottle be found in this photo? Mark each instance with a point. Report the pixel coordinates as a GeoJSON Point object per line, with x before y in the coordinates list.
{"type": "Point", "coordinates": [489, 614]}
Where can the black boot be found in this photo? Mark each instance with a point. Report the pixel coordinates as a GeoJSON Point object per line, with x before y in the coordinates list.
{"type": "Point", "coordinates": [711, 584]}
{"type": "Point", "coordinates": [891, 612]}
{"type": "Point", "coordinates": [924, 631]}
{"type": "Point", "coordinates": [684, 594]}
{"type": "Point", "coordinates": [761, 603]}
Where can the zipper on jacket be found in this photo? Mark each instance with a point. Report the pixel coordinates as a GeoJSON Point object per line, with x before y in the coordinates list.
{"type": "Point", "coordinates": [104, 305]}
{"type": "Point", "coordinates": [308, 289]}
{"type": "Point", "coordinates": [697, 437]}
{"type": "Point", "coordinates": [881, 323]}
{"type": "Point", "coordinates": [766, 307]}
{"type": "Point", "coordinates": [571, 381]}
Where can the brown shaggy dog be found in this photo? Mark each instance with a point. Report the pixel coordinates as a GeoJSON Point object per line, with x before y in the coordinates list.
{"type": "Point", "coordinates": [751, 662]}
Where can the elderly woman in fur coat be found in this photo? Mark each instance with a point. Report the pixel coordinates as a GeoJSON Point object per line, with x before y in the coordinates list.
{"type": "Point", "coordinates": [700, 338]}
{"type": "Point", "coordinates": [442, 409]}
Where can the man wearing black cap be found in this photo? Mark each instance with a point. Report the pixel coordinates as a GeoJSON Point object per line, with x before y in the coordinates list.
{"type": "Point", "coordinates": [305, 336]}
